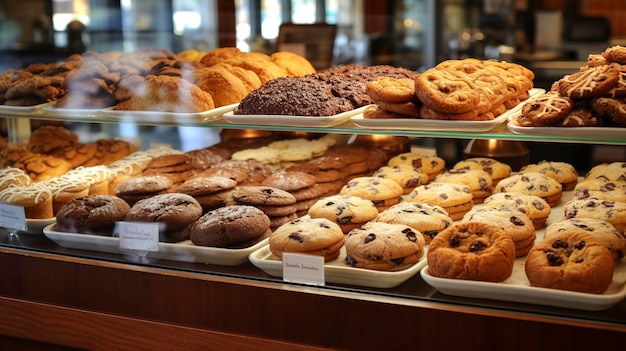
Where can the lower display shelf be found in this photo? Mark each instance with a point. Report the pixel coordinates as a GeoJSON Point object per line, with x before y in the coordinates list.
{"type": "Point", "coordinates": [414, 290]}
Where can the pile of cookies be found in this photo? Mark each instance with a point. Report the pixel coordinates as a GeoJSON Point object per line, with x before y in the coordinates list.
{"type": "Point", "coordinates": [468, 90]}
{"type": "Point", "coordinates": [149, 80]}
{"type": "Point", "coordinates": [593, 96]}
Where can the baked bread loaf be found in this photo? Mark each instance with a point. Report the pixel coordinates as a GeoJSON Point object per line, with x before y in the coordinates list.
{"type": "Point", "coordinates": [93, 214]}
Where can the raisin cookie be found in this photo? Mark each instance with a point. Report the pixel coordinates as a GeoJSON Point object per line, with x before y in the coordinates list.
{"type": "Point", "coordinates": [589, 81]}
{"type": "Point", "coordinates": [384, 246]}
{"type": "Point", "coordinates": [544, 110]}
{"type": "Point", "coordinates": [472, 251]}
{"type": "Point", "coordinates": [570, 260]}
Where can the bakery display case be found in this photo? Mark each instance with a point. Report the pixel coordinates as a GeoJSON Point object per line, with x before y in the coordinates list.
{"type": "Point", "coordinates": [68, 289]}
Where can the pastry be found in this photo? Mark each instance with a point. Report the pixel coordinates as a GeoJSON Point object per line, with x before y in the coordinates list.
{"type": "Point", "coordinates": [348, 211]}
{"type": "Point", "coordinates": [93, 214]}
{"type": "Point", "coordinates": [562, 172]}
{"type": "Point", "coordinates": [230, 227]}
{"type": "Point", "coordinates": [455, 199]}
{"type": "Point", "coordinates": [428, 219]}
{"type": "Point", "coordinates": [532, 183]}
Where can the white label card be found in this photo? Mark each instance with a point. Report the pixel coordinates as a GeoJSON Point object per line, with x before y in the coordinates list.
{"type": "Point", "coordinates": [139, 236]}
{"type": "Point", "coordinates": [12, 217]}
{"type": "Point", "coordinates": [305, 269]}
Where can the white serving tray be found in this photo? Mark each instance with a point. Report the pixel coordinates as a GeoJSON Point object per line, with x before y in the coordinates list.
{"type": "Point", "coordinates": [181, 252]}
{"type": "Point", "coordinates": [293, 121]}
{"type": "Point", "coordinates": [438, 125]}
{"type": "Point", "coordinates": [169, 117]}
{"type": "Point", "coordinates": [518, 289]}
{"type": "Point", "coordinates": [571, 132]}
{"type": "Point", "coordinates": [338, 271]}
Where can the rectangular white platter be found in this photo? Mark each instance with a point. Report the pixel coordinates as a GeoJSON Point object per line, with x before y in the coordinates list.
{"type": "Point", "coordinates": [181, 252]}
{"type": "Point", "coordinates": [167, 117]}
{"type": "Point", "coordinates": [438, 125]}
{"type": "Point", "coordinates": [571, 132]}
{"type": "Point", "coordinates": [339, 272]}
{"type": "Point", "coordinates": [293, 121]}
{"type": "Point", "coordinates": [518, 289]}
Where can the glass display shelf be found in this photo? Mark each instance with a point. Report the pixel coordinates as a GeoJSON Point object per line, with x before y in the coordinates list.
{"type": "Point", "coordinates": [608, 136]}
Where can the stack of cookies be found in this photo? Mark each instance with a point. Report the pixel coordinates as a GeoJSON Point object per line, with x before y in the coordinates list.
{"type": "Point", "coordinates": [277, 204]}
{"type": "Point", "coordinates": [392, 98]}
{"type": "Point", "coordinates": [605, 181]}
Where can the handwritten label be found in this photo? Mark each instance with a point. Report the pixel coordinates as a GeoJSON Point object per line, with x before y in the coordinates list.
{"type": "Point", "coordinates": [12, 217]}
{"type": "Point", "coordinates": [305, 269]}
{"type": "Point", "coordinates": [139, 236]}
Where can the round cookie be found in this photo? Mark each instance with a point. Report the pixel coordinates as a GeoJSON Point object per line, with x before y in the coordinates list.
{"type": "Point", "coordinates": [546, 109]}
{"type": "Point", "coordinates": [536, 208]}
{"type": "Point", "coordinates": [496, 169]}
{"type": "Point", "coordinates": [562, 172]}
{"type": "Point", "coordinates": [570, 260]}
{"type": "Point", "coordinates": [394, 90]}
{"type": "Point", "coordinates": [348, 211]}
{"type": "Point", "coordinates": [514, 222]}
{"type": "Point", "coordinates": [431, 165]}
{"type": "Point", "coordinates": [426, 218]}
{"type": "Point", "coordinates": [614, 171]}
{"type": "Point", "coordinates": [478, 181]}
{"type": "Point", "coordinates": [472, 251]}
{"type": "Point", "coordinates": [92, 214]}
{"type": "Point", "coordinates": [174, 211]}
{"type": "Point", "coordinates": [602, 230]}
{"type": "Point", "coordinates": [600, 188]}
{"type": "Point", "coordinates": [410, 109]}
{"type": "Point", "coordinates": [580, 117]}
{"type": "Point", "coordinates": [532, 183]}
{"type": "Point", "coordinates": [405, 175]}
{"type": "Point", "coordinates": [262, 195]}
{"type": "Point", "coordinates": [589, 81]}
{"type": "Point", "coordinates": [382, 192]}
{"type": "Point", "coordinates": [289, 181]}
{"type": "Point", "coordinates": [204, 185]}
{"type": "Point", "coordinates": [229, 226]}
{"type": "Point", "coordinates": [613, 212]}
{"type": "Point", "coordinates": [374, 111]}
{"type": "Point", "coordinates": [134, 189]}
{"type": "Point", "coordinates": [455, 199]}
{"type": "Point", "coordinates": [306, 235]}
{"type": "Point", "coordinates": [384, 246]}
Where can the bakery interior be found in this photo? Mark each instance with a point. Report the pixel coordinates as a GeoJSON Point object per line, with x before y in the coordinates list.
{"type": "Point", "coordinates": [66, 298]}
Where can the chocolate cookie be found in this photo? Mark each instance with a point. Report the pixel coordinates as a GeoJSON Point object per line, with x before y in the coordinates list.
{"type": "Point", "coordinates": [228, 226]}
{"type": "Point", "coordinates": [546, 109]}
{"type": "Point", "coordinates": [96, 214]}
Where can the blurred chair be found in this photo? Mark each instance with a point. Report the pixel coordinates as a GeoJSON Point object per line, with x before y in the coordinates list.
{"type": "Point", "coordinates": [315, 41]}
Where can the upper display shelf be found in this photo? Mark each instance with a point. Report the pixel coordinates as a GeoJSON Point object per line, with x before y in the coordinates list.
{"type": "Point", "coordinates": [501, 128]}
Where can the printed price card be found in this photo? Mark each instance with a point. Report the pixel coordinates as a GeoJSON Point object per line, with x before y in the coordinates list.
{"type": "Point", "coordinates": [139, 236]}
{"type": "Point", "coordinates": [12, 217]}
{"type": "Point", "coordinates": [306, 269]}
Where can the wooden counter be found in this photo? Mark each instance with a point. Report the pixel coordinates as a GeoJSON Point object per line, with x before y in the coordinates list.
{"type": "Point", "coordinates": [58, 302]}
